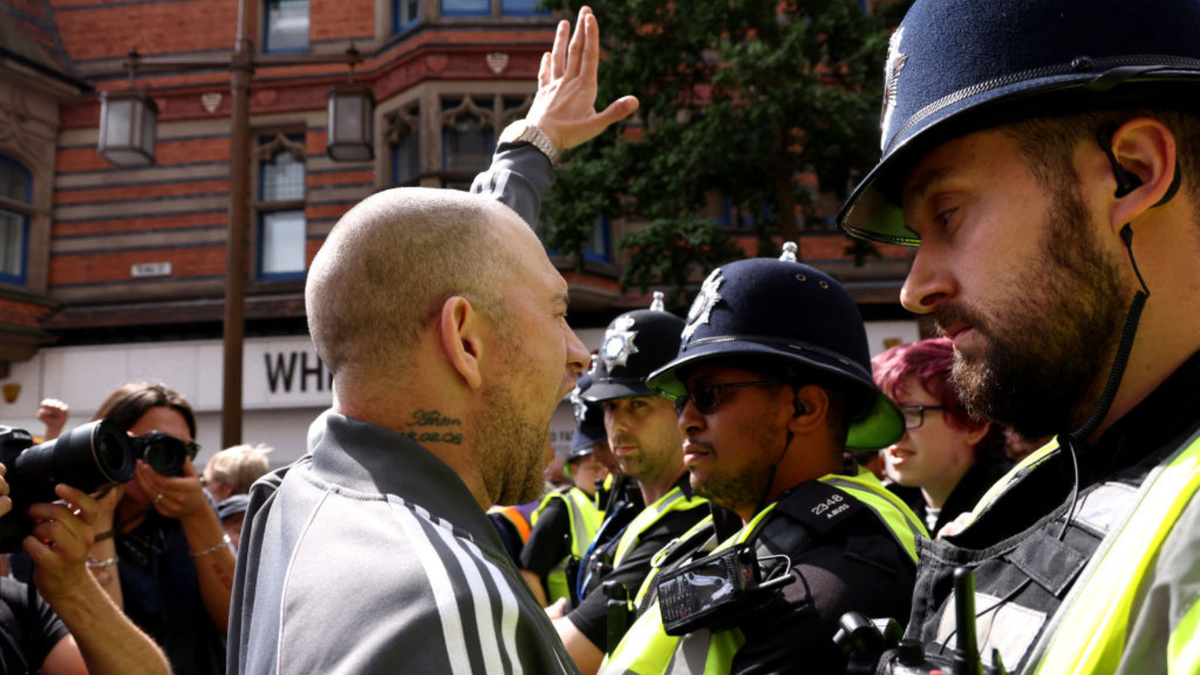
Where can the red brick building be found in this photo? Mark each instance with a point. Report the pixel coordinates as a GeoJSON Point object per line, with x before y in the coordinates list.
{"type": "Point", "coordinates": [100, 266]}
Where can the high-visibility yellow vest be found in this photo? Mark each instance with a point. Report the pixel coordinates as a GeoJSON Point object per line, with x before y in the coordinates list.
{"type": "Point", "coordinates": [1001, 486]}
{"type": "Point", "coordinates": [648, 650]}
{"type": "Point", "coordinates": [584, 519]}
{"type": "Point", "coordinates": [1087, 634]}
{"type": "Point", "coordinates": [673, 501]}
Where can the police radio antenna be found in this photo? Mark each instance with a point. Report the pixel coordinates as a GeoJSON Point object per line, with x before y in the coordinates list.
{"type": "Point", "coordinates": [966, 652]}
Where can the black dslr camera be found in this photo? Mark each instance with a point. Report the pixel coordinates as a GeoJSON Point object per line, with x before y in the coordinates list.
{"type": "Point", "coordinates": [163, 452]}
{"type": "Point", "coordinates": [87, 458]}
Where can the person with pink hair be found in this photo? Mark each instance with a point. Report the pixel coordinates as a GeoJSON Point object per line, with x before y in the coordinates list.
{"type": "Point", "coordinates": [945, 453]}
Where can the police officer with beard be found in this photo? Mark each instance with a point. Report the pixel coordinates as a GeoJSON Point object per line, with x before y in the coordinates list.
{"type": "Point", "coordinates": [1047, 169]}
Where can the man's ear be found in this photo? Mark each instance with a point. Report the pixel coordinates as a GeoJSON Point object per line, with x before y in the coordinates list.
{"type": "Point", "coordinates": [461, 339]}
{"type": "Point", "coordinates": [1145, 149]}
{"type": "Point", "coordinates": [810, 407]}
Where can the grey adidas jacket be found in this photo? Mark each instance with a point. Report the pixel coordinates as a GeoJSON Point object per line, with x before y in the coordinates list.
{"type": "Point", "coordinates": [371, 556]}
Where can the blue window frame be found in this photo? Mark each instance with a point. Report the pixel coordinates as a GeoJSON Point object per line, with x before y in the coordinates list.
{"type": "Point", "coordinates": [726, 220]}
{"type": "Point", "coordinates": [599, 247]}
{"type": "Point", "coordinates": [282, 227]}
{"type": "Point", "coordinates": [466, 7]}
{"type": "Point", "coordinates": [286, 26]}
{"type": "Point", "coordinates": [405, 14]}
{"type": "Point", "coordinates": [522, 8]}
{"type": "Point", "coordinates": [16, 189]}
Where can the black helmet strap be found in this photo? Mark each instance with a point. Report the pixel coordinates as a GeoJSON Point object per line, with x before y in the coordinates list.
{"type": "Point", "coordinates": [797, 408]}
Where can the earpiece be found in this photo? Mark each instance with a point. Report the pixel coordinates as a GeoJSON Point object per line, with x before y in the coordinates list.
{"type": "Point", "coordinates": [1126, 182]}
{"type": "Point", "coordinates": [798, 407]}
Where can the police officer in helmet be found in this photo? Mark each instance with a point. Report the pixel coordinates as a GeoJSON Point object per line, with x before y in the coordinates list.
{"type": "Point", "coordinates": [773, 384]}
{"type": "Point", "coordinates": [1044, 157]}
{"type": "Point", "coordinates": [656, 504]}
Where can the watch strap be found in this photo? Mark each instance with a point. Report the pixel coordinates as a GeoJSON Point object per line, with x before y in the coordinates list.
{"type": "Point", "coordinates": [533, 135]}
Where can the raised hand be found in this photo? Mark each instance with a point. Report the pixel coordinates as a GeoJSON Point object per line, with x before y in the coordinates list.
{"type": "Point", "coordinates": [565, 105]}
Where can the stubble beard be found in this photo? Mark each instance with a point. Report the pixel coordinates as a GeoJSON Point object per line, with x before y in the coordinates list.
{"type": "Point", "coordinates": [1045, 357]}
{"type": "Point", "coordinates": [644, 465]}
{"type": "Point", "coordinates": [511, 447]}
{"type": "Point", "coordinates": [738, 491]}
{"type": "Point", "coordinates": [742, 489]}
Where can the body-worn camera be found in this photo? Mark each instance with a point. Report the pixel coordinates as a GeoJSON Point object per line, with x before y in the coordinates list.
{"type": "Point", "coordinates": [163, 452]}
{"type": "Point", "coordinates": [715, 591]}
{"type": "Point", "coordinates": [87, 458]}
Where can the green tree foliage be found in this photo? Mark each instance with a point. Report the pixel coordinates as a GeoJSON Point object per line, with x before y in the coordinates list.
{"type": "Point", "coordinates": [739, 99]}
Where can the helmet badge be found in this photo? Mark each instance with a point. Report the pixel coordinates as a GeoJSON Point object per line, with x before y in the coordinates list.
{"type": "Point", "coordinates": [703, 305]}
{"type": "Point", "coordinates": [578, 405]}
{"type": "Point", "coordinates": [891, 80]}
{"type": "Point", "coordinates": [618, 343]}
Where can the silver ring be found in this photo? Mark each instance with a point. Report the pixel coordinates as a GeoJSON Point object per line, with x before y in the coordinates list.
{"type": "Point", "coordinates": [158, 498]}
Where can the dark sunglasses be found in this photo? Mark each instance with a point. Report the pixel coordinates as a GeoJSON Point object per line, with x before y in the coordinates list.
{"type": "Point", "coordinates": [707, 398]}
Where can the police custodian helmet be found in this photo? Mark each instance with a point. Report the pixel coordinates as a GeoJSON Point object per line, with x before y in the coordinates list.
{"type": "Point", "coordinates": [589, 421]}
{"type": "Point", "coordinates": [782, 309]}
{"type": "Point", "coordinates": [635, 344]}
{"type": "Point", "coordinates": [958, 66]}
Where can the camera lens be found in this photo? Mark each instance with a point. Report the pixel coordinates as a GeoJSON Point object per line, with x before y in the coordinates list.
{"type": "Point", "coordinates": [164, 453]}
{"type": "Point", "coordinates": [112, 452]}
{"type": "Point", "coordinates": [86, 458]}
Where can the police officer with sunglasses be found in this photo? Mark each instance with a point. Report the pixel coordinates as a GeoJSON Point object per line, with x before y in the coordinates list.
{"type": "Point", "coordinates": [772, 382]}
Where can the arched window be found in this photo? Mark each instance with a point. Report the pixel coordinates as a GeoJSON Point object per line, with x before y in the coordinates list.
{"type": "Point", "coordinates": [404, 138]}
{"type": "Point", "coordinates": [468, 135]}
{"type": "Point", "coordinates": [470, 126]}
{"type": "Point", "coordinates": [282, 227]}
{"type": "Point", "coordinates": [16, 205]}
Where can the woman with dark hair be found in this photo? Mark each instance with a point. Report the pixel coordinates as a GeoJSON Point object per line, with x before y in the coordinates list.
{"type": "Point", "coordinates": [161, 533]}
{"type": "Point", "coordinates": [951, 457]}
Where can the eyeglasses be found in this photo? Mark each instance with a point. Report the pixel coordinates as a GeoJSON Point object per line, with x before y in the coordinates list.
{"type": "Point", "coordinates": [708, 397]}
{"type": "Point", "coordinates": [914, 415]}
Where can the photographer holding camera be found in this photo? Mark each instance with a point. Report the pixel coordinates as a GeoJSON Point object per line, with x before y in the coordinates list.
{"type": "Point", "coordinates": [161, 533]}
{"type": "Point", "coordinates": [35, 639]}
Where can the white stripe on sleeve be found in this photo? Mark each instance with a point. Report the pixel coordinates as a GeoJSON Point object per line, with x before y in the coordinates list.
{"type": "Point", "coordinates": [443, 590]}
{"type": "Point", "coordinates": [510, 610]}
{"type": "Point", "coordinates": [470, 560]}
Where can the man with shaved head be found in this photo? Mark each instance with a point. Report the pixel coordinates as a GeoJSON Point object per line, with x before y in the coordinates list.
{"type": "Point", "coordinates": [444, 325]}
